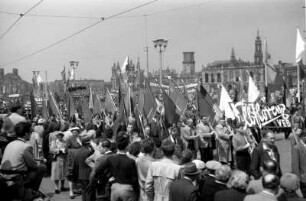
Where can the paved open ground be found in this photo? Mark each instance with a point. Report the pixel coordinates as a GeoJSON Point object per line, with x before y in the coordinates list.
{"type": "Point", "coordinates": [282, 144]}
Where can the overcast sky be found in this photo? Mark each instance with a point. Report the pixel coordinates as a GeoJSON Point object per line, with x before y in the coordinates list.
{"type": "Point", "coordinates": [210, 28]}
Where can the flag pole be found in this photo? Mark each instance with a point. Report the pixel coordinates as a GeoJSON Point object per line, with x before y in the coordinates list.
{"type": "Point", "coordinates": [266, 72]}
{"type": "Point", "coordinates": [298, 83]}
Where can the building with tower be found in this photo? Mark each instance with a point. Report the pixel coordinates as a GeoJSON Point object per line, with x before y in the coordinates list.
{"type": "Point", "coordinates": [12, 83]}
{"type": "Point", "coordinates": [135, 75]}
{"type": "Point", "coordinates": [233, 73]}
{"type": "Point", "coordinates": [258, 56]}
{"type": "Point", "coordinates": [188, 74]}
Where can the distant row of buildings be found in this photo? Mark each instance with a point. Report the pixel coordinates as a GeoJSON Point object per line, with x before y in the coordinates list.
{"type": "Point", "coordinates": [232, 73]}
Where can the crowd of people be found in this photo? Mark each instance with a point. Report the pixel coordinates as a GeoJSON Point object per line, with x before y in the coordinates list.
{"type": "Point", "coordinates": [109, 160]}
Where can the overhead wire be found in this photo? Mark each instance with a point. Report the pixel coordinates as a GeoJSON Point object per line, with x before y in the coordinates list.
{"type": "Point", "coordinates": [78, 32]}
{"type": "Point", "coordinates": [121, 17]}
{"type": "Point", "coordinates": [19, 18]}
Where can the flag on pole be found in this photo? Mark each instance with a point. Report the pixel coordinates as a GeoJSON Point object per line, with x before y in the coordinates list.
{"type": "Point", "coordinates": [71, 74]}
{"type": "Point", "coordinates": [178, 99]}
{"type": "Point", "coordinates": [206, 106]}
{"type": "Point", "coordinates": [90, 104]}
{"type": "Point", "coordinates": [271, 72]}
{"type": "Point", "coordinates": [300, 47]}
{"type": "Point", "coordinates": [171, 115]}
{"type": "Point", "coordinates": [109, 103]}
{"type": "Point", "coordinates": [54, 107]}
{"type": "Point", "coordinates": [45, 112]}
{"type": "Point", "coordinates": [299, 53]}
{"type": "Point", "coordinates": [71, 106]}
{"type": "Point", "coordinates": [97, 106]}
{"type": "Point", "coordinates": [147, 103]}
{"type": "Point", "coordinates": [224, 104]}
{"type": "Point", "coordinates": [124, 69]}
{"type": "Point", "coordinates": [33, 105]}
{"type": "Point", "coordinates": [86, 113]}
{"type": "Point", "coordinates": [253, 91]}
{"type": "Point", "coordinates": [122, 116]}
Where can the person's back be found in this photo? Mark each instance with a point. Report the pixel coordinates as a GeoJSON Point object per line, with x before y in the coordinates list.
{"type": "Point", "coordinates": [270, 183]}
{"type": "Point", "coordinates": [161, 174]}
{"type": "Point", "coordinates": [18, 155]}
{"type": "Point", "coordinates": [14, 156]}
{"type": "Point", "coordinates": [143, 163]}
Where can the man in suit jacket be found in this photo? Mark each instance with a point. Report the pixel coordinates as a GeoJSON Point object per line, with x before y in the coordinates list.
{"type": "Point", "coordinates": [266, 150]}
{"type": "Point", "coordinates": [270, 184]}
{"type": "Point", "coordinates": [184, 189]}
{"type": "Point", "coordinates": [80, 169]}
{"type": "Point", "coordinates": [299, 162]}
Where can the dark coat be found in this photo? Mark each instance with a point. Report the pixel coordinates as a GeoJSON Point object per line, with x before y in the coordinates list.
{"type": "Point", "coordinates": [210, 188]}
{"type": "Point", "coordinates": [299, 162]}
{"type": "Point", "coordinates": [260, 155]}
{"type": "Point", "coordinates": [230, 194]}
{"type": "Point", "coordinates": [156, 129]}
{"type": "Point", "coordinates": [80, 169]}
{"type": "Point", "coordinates": [183, 190]}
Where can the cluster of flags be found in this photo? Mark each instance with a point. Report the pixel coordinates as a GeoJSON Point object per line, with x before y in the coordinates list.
{"type": "Point", "coordinates": [174, 103]}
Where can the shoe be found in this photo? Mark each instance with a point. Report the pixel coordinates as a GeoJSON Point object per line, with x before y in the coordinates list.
{"type": "Point", "coordinates": [57, 191]}
{"type": "Point", "coordinates": [72, 197]}
{"type": "Point", "coordinates": [64, 189]}
{"type": "Point", "coordinates": [79, 192]}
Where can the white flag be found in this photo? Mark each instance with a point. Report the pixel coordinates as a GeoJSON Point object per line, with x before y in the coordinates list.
{"type": "Point", "coordinates": [300, 47]}
{"type": "Point", "coordinates": [71, 74]}
{"type": "Point", "coordinates": [224, 104]}
{"type": "Point", "coordinates": [253, 91]}
{"type": "Point", "coordinates": [124, 65]}
{"type": "Point", "coordinates": [39, 79]}
{"type": "Point", "coordinates": [123, 70]}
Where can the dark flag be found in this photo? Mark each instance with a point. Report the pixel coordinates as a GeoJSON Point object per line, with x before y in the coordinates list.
{"type": "Point", "coordinates": [71, 106]}
{"type": "Point", "coordinates": [33, 105]}
{"type": "Point", "coordinates": [45, 112]}
{"type": "Point", "coordinates": [147, 103]}
{"type": "Point", "coordinates": [206, 105]}
{"type": "Point", "coordinates": [178, 99]}
{"type": "Point", "coordinates": [86, 113]}
{"type": "Point", "coordinates": [171, 115]}
{"type": "Point", "coordinates": [121, 118]}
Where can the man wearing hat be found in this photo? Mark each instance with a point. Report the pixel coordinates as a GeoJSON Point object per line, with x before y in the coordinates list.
{"type": "Point", "coordinates": [184, 189]}
{"type": "Point", "coordinates": [210, 178]}
{"type": "Point", "coordinates": [299, 162]}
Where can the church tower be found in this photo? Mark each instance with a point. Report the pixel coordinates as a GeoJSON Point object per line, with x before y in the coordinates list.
{"type": "Point", "coordinates": [233, 57]}
{"type": "Point", "coordinates": [258, 50]}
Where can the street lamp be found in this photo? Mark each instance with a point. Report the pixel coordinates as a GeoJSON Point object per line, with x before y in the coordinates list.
{"type": "Point", "coordinates": [160, 45]}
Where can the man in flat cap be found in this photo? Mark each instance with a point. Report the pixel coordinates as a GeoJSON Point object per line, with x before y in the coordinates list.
{"type": "Point", "coordinates": [184, 189]}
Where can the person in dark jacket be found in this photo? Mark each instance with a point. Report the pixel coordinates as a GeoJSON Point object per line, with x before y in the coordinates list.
{"type": "Point", "coordinates": [210, 189]}
{"type": "Point", "coordinates": [237, 184]}
{"type": "Point", "coordinates": [266, 150]}
{"type": "Point", "coordinates": [184, 189]}
{"type": "Point", "coordinates": [80, 170]}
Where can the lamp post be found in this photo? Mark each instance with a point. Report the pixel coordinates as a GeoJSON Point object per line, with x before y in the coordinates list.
{"type": "Point", "coordinates": [160, 45]}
